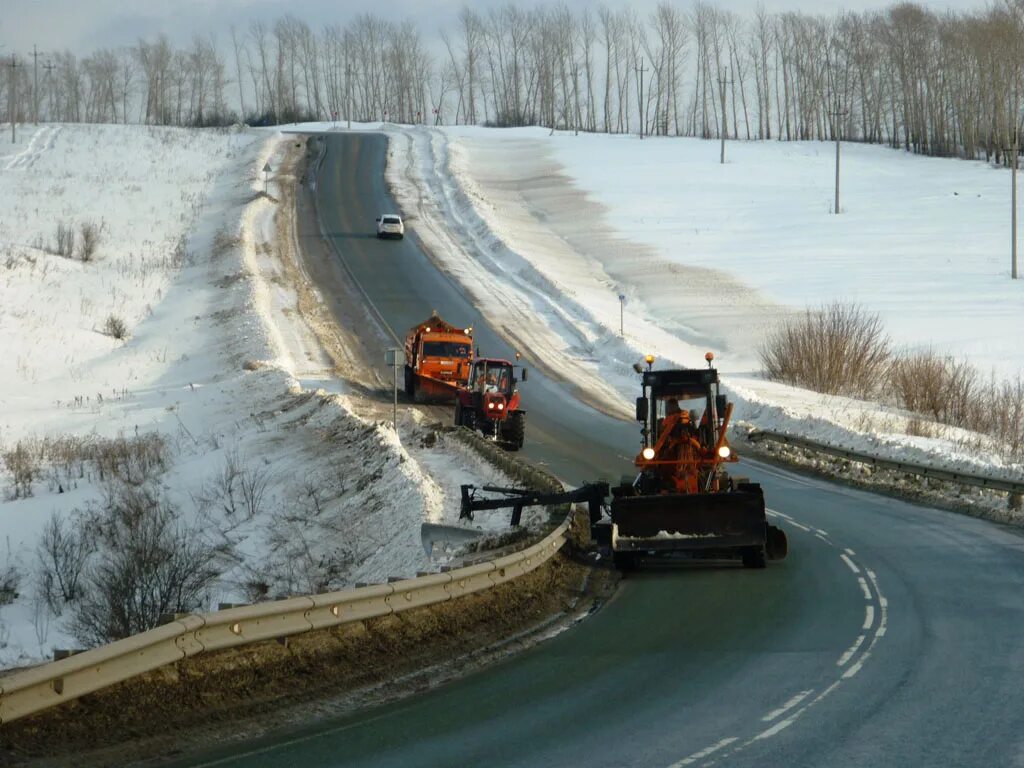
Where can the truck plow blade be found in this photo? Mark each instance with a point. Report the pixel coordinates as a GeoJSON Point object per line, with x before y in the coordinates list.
{"type": "Point", "coordinates": [431, 390]}
{"type": "Point", "coordinates": [686, 522]}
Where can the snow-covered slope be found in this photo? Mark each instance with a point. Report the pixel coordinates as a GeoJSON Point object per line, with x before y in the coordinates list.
{"type": "Point", "coordinates": [293, 490]}
{"type": "Point", "coordinates": [710, 257]}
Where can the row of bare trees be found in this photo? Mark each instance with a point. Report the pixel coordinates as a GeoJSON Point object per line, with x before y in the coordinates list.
{"type": "Point", "coordinates": [937, 83]}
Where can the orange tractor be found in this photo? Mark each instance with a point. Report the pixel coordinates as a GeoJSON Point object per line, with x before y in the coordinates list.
{"type": "Point", "coordinates": [438, 358]}
{"type": "Point", "coordinates": [683, 502]}
{"type": "Point", "coordinates": [490, 402]}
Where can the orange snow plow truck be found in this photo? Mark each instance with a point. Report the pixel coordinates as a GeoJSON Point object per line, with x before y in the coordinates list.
{"type": "Point", "coordinates": [438, 358]}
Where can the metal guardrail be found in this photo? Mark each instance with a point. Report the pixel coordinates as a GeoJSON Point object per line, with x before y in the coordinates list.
{"type": "Point", "coordinates": [980, 481]}
{"type": "Point", "coordinates": [34, 690]}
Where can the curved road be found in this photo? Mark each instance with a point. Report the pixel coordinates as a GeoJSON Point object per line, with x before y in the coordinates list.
{"type": "Point", "coordinates": [892, 636]}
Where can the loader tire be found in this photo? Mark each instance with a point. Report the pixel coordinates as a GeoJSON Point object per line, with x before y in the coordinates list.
{"type": "Point", "coordinates": [515, 431]}
{"type": "Point", "coordinates": [624, 562]}
{"type": "Point", "coordinates": [753, 557]}
{"type": "Point", "coordinates": [777, 545]}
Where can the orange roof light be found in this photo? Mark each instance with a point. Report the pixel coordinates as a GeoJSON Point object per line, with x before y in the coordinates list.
{"type": "Point", "coordinates": [649, 359]}
{"type": "Point", "coordinates": [709, 356]}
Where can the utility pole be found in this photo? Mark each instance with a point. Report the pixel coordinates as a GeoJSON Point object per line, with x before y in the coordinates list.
{"type": "Point", "coordinates": [35, 85]}
{"type": "Point", "coordinates": [576, 93]}
{"type": "Point", "coordinates": [722, 82]}
{"type": "Point", "coordinates": [641, 70]}
{"type": "Point", "coordinates": [10, 96]}
{"type": "Point", "coordinates": [348, 94]}
{"type": "Point", "coordinates": [49, 67]}
{"type": "Point", "coordinates": [1014, 151]}
{"type": "Point", "coordinates": [837, 118]}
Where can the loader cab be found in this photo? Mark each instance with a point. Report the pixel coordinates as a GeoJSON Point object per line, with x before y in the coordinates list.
{"type": "Point", "coordinates": [693, 391]}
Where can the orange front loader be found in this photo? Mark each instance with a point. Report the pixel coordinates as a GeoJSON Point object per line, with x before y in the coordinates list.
{"type": "Point", "coordinates": [683, 502]}
{"type": "Point", "coordinates": [438, 357]}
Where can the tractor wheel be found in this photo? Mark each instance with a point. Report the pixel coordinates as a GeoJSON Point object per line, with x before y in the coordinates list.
{"type": "Point", "coordinates": [514, 432]}
{"type": "Point", "coordinates": [753, 557]}
{"type": "Point", "coordinates": [464, 417]}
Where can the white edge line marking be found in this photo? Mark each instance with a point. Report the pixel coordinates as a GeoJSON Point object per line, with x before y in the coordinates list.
{"type": "Point", "coordinates": [852, 566]}
{"type": "Point", "coordinates": [704, 752]}
{"type": "Point", "coordinates": [864, 586]}
{"type": "Point", "coordinates": [869, 617]}
{"type": "Point", "coordinates": [849, 653]}
{"type": "Point", "coordinates": [787, 706]}
{"type": "Point", "coordinates": [780, 726]}
{"type": "Point", "coordinates": [850, 552]}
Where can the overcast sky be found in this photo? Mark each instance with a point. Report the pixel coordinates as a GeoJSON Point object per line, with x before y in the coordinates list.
{"type": "Point", "coordinates": [83, 25]}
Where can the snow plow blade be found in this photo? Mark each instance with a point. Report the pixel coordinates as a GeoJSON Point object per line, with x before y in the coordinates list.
{"type": "Point", "coordinates": [430, 390]}
{"type": "Point", "coordinates": [709, 523]}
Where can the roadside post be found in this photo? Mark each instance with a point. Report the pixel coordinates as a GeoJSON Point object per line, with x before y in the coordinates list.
{"type": "Point", "coordinates": [622, 304]}
{"type": "Point", "coordinates": [266, 176]}
{"type": "Point", "coordinates": [394, 356]}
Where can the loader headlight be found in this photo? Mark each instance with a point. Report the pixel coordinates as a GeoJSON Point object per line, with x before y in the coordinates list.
{"type": "Point", "coordinates": [648, 453]}
{"type": "Point", "coordinates": [501, 406]}
{"type": "Point", "coordinates": [725, 452]}
{"type": "Point", "coordinates": [490, 406]}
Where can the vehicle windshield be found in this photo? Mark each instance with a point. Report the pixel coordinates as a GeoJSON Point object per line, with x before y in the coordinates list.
{"type": "Point", "coordinates": [391, 220]}
{"type": "Point", "coordinates": [694, 407]}
{"type": "Point", "coordinates": [445, 349]}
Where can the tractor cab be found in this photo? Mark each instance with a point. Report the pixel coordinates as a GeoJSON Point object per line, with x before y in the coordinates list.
{"type": "Point", "coordinates": [492, 376]}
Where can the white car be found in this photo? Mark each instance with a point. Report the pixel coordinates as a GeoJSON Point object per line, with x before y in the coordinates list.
{"type": "Point", "coordinates": [390, 225]}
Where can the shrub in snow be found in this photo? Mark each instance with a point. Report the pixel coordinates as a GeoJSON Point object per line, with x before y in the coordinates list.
{"type": "Point", "coordinates": [63, 552]}
{"type": "Point", "coordinates": [937, 386]}
{"type": "Point", "coordinates": [65, 245]}
{"type": "Point", "coordinates": [10, 581]}
{"type": "Point", "coordinates": [90, 239]}
{"type": "Point", "coordinates": [115, 327]}
{"type": "Point", "coordinates": [24, 465]}
{"type": "Point", "coordinates": [841, 349]}
{"type": "Point", "coordinates": [146, 563]}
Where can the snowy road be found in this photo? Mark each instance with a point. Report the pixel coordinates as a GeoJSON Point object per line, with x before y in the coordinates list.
{"type": "Point", "coordinates": [890, 637]}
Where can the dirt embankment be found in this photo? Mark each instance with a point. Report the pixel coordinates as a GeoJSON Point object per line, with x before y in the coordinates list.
{"type": "Point", "coordinates": [240, 694]}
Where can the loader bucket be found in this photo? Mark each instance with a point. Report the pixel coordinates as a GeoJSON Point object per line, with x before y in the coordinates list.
{"type": "Point", "coordinates": [699, 522]}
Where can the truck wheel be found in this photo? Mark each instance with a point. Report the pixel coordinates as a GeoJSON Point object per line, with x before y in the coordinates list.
{"type": "Point", "coordinates": [410, 383]}
{"type": "Point", "coordinates": [514, 432]}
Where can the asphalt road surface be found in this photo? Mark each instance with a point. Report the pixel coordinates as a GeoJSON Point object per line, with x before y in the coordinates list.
{"type": "Point", "coordinates": [891, 636]}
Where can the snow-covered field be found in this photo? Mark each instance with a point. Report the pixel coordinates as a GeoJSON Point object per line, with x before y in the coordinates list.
{"type": "Point", "coordinates": [710, 257]}
{"type": "Point", "coordinates": [200, 404]}
{"type": "Point", "coordinates": [549, 230]}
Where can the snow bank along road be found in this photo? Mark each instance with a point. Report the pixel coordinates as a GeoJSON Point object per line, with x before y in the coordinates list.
{"type": "Point", "coordinates": [890, 637]}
